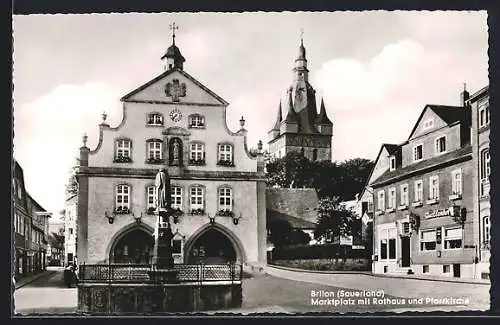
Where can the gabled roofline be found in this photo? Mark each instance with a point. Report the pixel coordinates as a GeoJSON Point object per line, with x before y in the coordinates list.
{"type": "Point", "coordinates": [35, 202]}
{"type": "Point", "coordinates": [367, 184]}
{"type": "Point", "coordinates": [428, 106]}
{"type": "Point", "coordinates": [166, 73]}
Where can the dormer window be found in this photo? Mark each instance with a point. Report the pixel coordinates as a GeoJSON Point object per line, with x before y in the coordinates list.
{"type": "Point", "coordinates": [440, 145]}
{"type": "Point", "coordinates": [392, 163]}
{"type": "Point", "coordinates": [418, 152]}
{"type": "Point", "coordinates": [428, 124]}
{"type": "Point", "coordinates": [155, 119]}
{"type": "Point", "coordinates": [196, 121]}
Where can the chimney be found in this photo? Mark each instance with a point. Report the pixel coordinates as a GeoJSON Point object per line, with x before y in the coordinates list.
{"type": "Point", "coordinates": [464, 96]}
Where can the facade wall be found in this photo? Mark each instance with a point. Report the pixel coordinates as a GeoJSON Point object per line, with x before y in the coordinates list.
{"type": "Point", "coordinates": [439, 244]}
{"type": "Point", "coordinates": [70, 231]}
{"type": "Point", "coordinates": [134, 128]}
{"type": "Point", "coordinates": [22, 224]}
{"type": "Point", "coordinates": [480, 142]}
{"type": "Point", "coordinates": [452, 135]}
{"type": "Point", "coordinates": [439, 256]}
{"type": "Point", "coordinates": [101, 234]}
{"type": "Point", "coordinates": [99, 175]}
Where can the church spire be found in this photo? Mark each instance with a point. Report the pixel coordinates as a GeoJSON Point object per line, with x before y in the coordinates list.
{"type": "Point", "coordinates": [279, 118]}
{"type": "Point", "coordinates": [302, 49]}
{"type": "Point", "coordinates": [300, 69]}
{"type": "Point", "coordinates": [291, 115]}
{"type": "Point", "coordinates": [322, 117]}
{"type": "Point", "coordinates": [173, 57]}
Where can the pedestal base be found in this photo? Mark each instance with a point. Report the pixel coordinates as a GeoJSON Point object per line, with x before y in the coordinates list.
{"type": "Point", "coordinates": [150, 299]}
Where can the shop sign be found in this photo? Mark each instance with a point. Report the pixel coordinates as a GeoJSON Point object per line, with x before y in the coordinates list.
{"type": "Point", "coordinates": [441, 212]}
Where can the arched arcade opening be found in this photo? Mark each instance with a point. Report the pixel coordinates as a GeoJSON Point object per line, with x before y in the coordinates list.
{"type": "Point", "coordinates": [132, 247]}
{"type": "Point", "coordinates": [213, 246]}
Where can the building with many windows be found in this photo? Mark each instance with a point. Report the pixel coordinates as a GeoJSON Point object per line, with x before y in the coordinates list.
{"type": "Point", "coordinates": [37, 259]}
{"type": "Point", "coordinates": [21, 222]}
{"type": "Point", "coordinates": [479, 103]}
{"type": "Point", "coordinates": [70, 213]}
{"type": "Point", "coordinates": [303, 129]}
{"type": "Point", "coordinates": [424, 215]}
{"type": "Point", "coordinates": [175, 122]}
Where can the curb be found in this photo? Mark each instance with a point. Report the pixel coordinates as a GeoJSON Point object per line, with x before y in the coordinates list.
{"type": "Point", "coordinates": [317, 271]}
{"type": "Point", "coordinates": [373, 274]}
{"type": "Point", "coordinates": [34, 278]}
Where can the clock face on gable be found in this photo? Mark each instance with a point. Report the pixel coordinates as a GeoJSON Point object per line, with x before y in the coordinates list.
{"type": "Point", "coordinates": [176, 115]}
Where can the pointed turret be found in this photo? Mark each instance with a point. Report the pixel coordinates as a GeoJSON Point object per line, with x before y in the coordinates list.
{"type": "Point", "coordinates": [291, 122]}
{"type": "Point", "coordinates": [323, 122]}
{"type": "Point", "coordinates": [275, 131]}
{"type": "Point", "coordinates": [322, 117]}
{"type": "Point", "coordinates": [291, 115]}
{"type": "Point", "coordinates": [279, 118]}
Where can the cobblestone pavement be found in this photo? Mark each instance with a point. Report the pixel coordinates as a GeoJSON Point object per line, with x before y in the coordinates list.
{"type": "Point", "coordinates": [46, 295]}
{"type": "Point", "coordinates": [264, 293]}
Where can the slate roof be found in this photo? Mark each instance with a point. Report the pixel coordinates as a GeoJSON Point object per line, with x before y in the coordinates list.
{"type": "Point", "coordinates": [392, 176]}
{"type": "Point", "coordinates": [449, 114]}
{"type": "Point", "coordinates": [296, 223]}
{"type": "Point", "coordinates": [296, 205]}
{"type": "Point", "coordinates": [322, 117]}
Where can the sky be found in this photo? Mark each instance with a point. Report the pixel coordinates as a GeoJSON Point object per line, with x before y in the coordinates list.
{"type": "Point", "coordinates": [375, 70]}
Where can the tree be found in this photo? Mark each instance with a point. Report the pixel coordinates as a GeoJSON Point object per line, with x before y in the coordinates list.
{"type": "Point", "coordinates": [280, 232]}
{"type": "Point", "coordinates": [355, 173]}
{"type": "Point", "coordinates": [299, 237]}
{"type": "Point", "coordinates": [294, 170]}
{"type": "Point", "coordinates": [72, 184]}
{"type": "Point", "coordinates": [333, 220]}
{"type": "Point", "coordinates": [329, 178]}
{"type": "Point", "coordinates": [326, 176]}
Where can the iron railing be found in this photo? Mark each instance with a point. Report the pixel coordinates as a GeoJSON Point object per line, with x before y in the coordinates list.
{"type": "Point", "coordinates": [139, 273]}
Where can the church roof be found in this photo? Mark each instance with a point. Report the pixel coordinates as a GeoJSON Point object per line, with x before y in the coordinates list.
{"type": "Point", "coordinates": [322, 117]}
{"type": "Point", "coordinates": [279, 118]}
{"type": "Point", "coordinates": [302, 51]}
{"type": "Point", "coordinates": [291, 115]}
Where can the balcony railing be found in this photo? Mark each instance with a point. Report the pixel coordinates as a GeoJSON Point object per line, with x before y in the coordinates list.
{"type": "Point", "coordinates": [138, 273]}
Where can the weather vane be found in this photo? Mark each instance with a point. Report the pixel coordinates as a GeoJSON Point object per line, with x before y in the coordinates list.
{"type": "Point", "coordinates": [301, 34]}
{"type": "Point", "coordinates": [173, 27]}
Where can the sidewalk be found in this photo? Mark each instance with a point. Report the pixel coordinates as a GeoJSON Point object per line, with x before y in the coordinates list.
{"type": "Point", "coordinates": [386, 275]}
{"type": "Point", "coordinates": [33, 277]}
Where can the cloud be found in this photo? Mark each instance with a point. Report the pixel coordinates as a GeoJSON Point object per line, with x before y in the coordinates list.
{"type": "Point", "coordinates": [380, 100]}
{"type": "Point", "coordinates": [48, 133]}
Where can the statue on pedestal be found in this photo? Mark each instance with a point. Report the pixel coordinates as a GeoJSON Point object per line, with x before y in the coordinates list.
{"type": "Point", "coordinates": [162, 254]}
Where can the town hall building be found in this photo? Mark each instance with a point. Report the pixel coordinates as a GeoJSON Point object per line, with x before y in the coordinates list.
{"type": "Point", "coordinates": [175, 122]}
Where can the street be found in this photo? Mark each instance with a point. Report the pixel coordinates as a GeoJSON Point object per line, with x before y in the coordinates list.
{"type": "Point", "coordinates": [293, 292]}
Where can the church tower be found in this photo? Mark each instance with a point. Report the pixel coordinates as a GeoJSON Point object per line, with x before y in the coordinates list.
{"type": "Point", "coordinates": [303, 129]}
